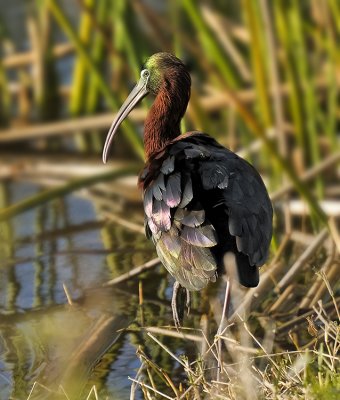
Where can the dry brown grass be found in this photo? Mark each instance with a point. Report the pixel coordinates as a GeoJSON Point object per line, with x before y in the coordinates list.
{"type": "Point", "coordinates": [236, 365]}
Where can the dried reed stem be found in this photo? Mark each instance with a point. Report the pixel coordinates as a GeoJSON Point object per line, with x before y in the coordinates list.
{"type": "Point", "coordinates": [133, 272]}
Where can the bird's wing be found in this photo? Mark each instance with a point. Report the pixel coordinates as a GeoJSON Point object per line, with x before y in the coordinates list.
{"type": "Point", "coordinates": [236, 188]}
{"type": "Point", "coordinates": [182, 185]}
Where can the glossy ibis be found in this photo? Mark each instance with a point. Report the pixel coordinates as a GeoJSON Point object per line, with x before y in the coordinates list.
{"type": "Point", "coordinates": [200, 199]}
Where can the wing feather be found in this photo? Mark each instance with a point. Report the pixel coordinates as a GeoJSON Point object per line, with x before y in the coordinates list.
{"type": "Point", "coordinates": [158, 187]}
{"type": "Point", "coordinates": [172, 194]}
{"type": "Point", "coordinates": [168, 165]}
{"type": "Point", "coordinates": [204, 236]}
{"type": "Point", "coordinates": [200, 198]}
{"type": "Point", "coordinates": [161, 215]}
{"type": "Point", "coordinates": [187, 194]}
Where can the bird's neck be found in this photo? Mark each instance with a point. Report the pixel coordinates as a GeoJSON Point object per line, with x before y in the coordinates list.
{"type": "Point", "coordinates": [163, 121]}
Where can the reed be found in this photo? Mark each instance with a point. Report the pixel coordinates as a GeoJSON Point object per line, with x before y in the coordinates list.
{"type": "Point", "coordinates": [82, 53]}
{"type": "Point", "coordinates": [80, 84]}
{"type": "Point", "coordinates": [92, 97]}
{"type": "Point", "coordinates": [50, 194]}
{"type": "Point", "coordinates": [4, 98]}
{"type": "Point", "coordinates": [209, 44]}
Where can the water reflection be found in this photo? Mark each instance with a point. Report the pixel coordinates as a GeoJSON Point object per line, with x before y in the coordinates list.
{"type": "Point", "coordinates": [59, 346]}
{"type": "Point", "coordinates": [43, 338]}
{"type": "Point", "coordinates": [67, 348]}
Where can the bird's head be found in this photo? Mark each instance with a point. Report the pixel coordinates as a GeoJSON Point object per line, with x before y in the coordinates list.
{"type": "Point", "coordinates": [160, 71]}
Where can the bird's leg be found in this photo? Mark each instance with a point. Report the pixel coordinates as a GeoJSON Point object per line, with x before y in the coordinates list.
{"type": "Point", "coordinates": [179, 291]}
{"type": "Point", "coordinates": [188, 301]}
{"type": "Point", "coordinates": [175, 290]}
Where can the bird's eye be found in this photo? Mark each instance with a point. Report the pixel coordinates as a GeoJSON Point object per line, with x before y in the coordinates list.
{"type": "Point", "coordinates": [145, 73]}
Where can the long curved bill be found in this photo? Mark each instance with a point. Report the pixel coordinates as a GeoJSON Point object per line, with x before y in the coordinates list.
{"type": "Point", "coordinates": [136, 95]}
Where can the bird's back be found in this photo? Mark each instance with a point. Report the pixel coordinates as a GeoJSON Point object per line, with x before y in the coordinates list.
{"type": "Point", "coordinates": [201, 200]}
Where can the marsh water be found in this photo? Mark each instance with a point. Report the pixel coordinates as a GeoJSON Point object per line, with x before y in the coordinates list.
{"type": "Point", "coordinates": [65, 248]}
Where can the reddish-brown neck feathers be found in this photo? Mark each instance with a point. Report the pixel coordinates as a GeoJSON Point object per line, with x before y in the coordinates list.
{"type": "Point", "coordinates": [163, 121]}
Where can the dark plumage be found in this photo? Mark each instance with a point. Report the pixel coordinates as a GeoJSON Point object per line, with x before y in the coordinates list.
{"type": "Point", "coordinates": [211, 202]}
{"type": "Point", "coordinates": [200, 199]}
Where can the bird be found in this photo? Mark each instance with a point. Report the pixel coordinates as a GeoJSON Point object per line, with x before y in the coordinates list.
{"type": "Point", "coordinates": [200, 199]}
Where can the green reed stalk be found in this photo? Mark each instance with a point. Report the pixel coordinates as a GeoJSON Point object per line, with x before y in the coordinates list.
{"type": "Point", "coordinates": [259, 59]}
{"type": "Point", "coordinates": [325, 38]}
{"type": "Point", "coordinates": [333, 90]}
{"type": "Point", "coordinates": [175, 16]}
{"type": "Point", "coordinates": [92, 95]}
{"type": "Point", "coordinates": [45, 82]}
{"type": "Point", "coordinates": [97, 53]}
{"type": "Point", "coordinates": [117, 22]}
{"type": "Point", "coordinates": [129, 40]}
{"type": "Point", "coordinates": [126, 43]}
{"type": "Point", "coordinates": [294, 98]}
{"type": "Point", "coordinates": [211, 50]}
{"type": "Point", "coordinates": [335, 11]}
{"type": "Point", "coordinates": [80, 68]}
{"type": "Point", "coordinates": [112, 259]}
{"type": "Point", "coordinates": [125, 37]}
{"type": "Point", "coordinates": [5, 100]}
{"type": "Point", "coordinates": [50, 194]}
{"type": "Point", "coordinates": [307, 80]}
{"type": "Point", "coordinates": [6, 227]}
{"type": "Point", "coordinates": [65, 25]}
{"type": "Point", "coordinates": [80, 84]}
{"type": "Point", "coordinates": [41, 219]}
{"type": "Point", "coordinates": [257, 53]}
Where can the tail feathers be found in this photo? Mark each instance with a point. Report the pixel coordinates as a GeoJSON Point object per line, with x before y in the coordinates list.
{"type": "Point", "coordinates": [248, 275]}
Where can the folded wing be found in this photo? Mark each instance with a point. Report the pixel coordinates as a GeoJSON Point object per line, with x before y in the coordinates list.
{"type": "Point", "coordinates": [201, 200]}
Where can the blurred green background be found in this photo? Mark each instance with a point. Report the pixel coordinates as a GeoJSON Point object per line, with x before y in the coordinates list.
{"type": "Point", "coordinates": [265, 83]}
